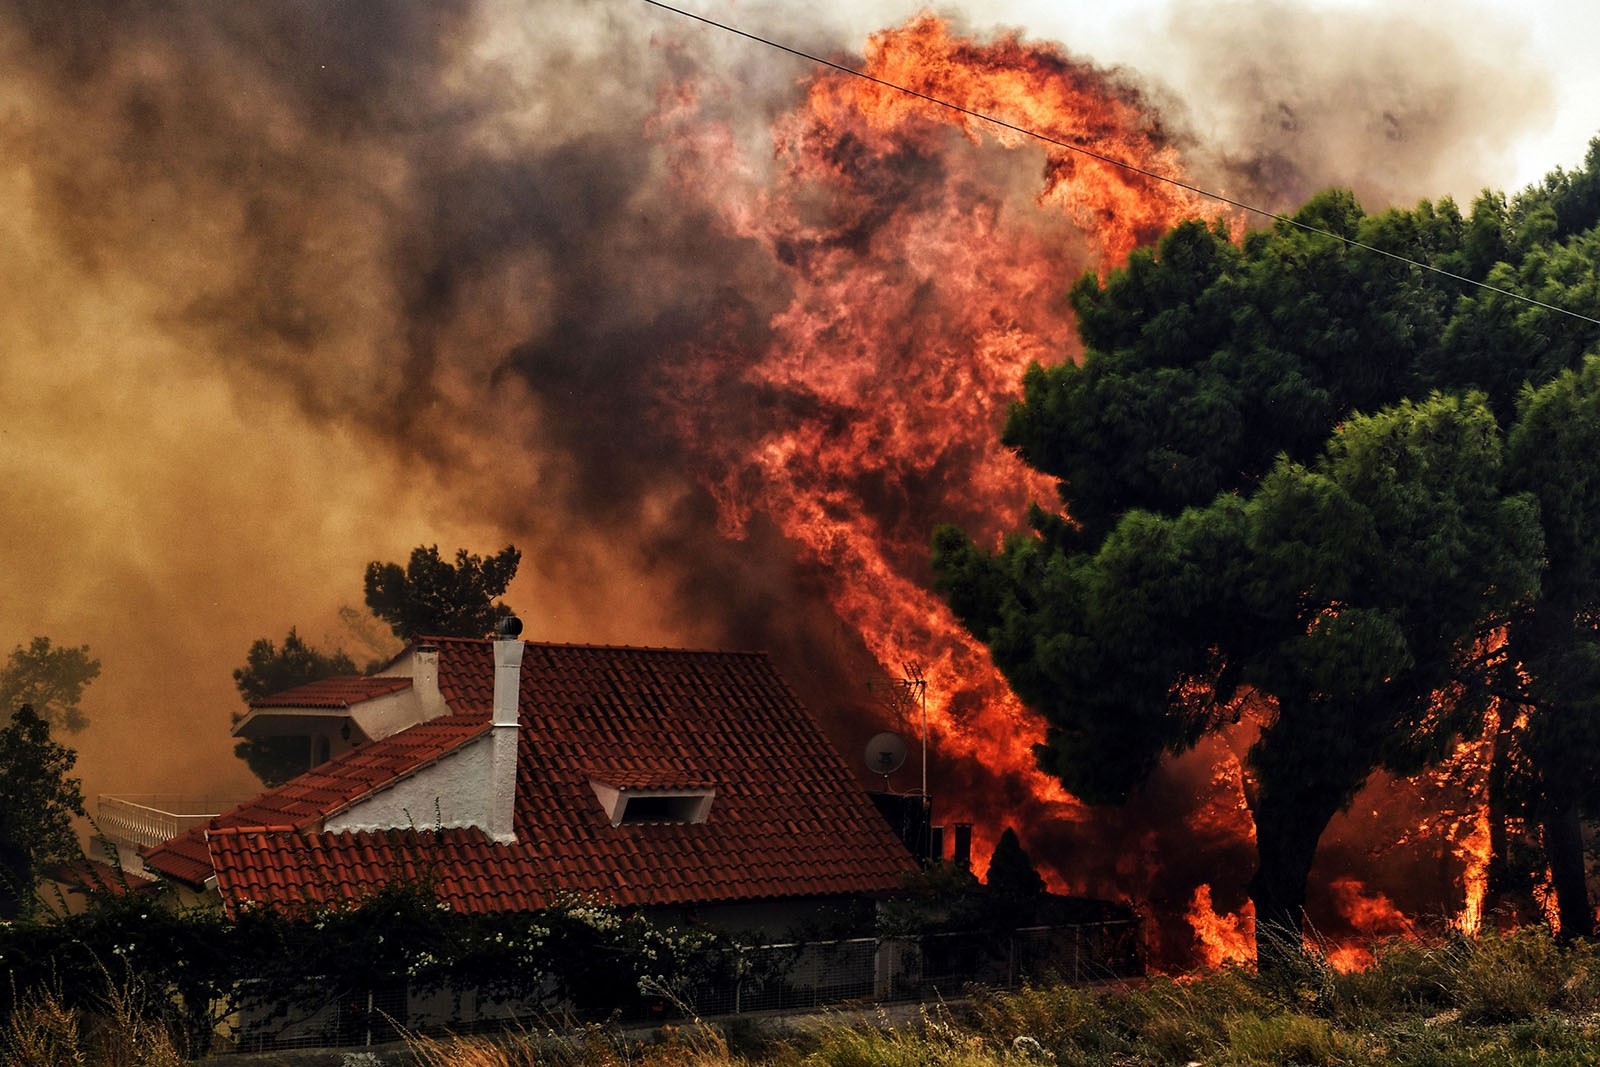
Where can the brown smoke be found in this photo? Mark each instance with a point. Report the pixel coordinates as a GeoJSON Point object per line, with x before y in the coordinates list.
{"type": "Point", "coordinates": [292, 286]}
{"type": "Point", "coordinates": [1290, 100]}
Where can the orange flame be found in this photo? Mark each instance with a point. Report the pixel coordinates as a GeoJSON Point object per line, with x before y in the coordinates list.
{"type": "Point", "coordinates": [1222, 939]}
{"type": "Point", "coordinates": [919, 288]}
{"type": "Point", "coordinates": [1474, 850]}
{"type": "Point", "coordinates": [1369, 917]}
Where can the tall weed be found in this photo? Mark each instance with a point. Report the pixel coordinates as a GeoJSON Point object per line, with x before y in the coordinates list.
{"type": "Point", "coordinates": [124, 1031]}
{"type": "Point", "coordinates": [1510, 977]}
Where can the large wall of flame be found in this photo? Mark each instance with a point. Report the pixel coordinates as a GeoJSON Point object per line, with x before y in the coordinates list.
{"type": "Point", "coordinates": [288, 287]}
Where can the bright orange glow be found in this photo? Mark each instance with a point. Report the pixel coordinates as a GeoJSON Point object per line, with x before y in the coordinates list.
{"type": "Point", "coordinates": [1369, 917]}
{"type": "Point", "coordinates": [1368, 913]}
{"type": "Point", "coordinates": [1348, 958]}
{"type": "Point", "coordinates": [1549, 905]}
{"type": "Point", "coordinates": [1222, 939]}
{"type": "Point", "coordinates": [1474, 850]}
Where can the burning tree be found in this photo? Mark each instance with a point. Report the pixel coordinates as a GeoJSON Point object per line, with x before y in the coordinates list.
{"type": "Point", "coordinates": [1552, 750]}
{"type": "Point", "coordinates": [1238, 540]}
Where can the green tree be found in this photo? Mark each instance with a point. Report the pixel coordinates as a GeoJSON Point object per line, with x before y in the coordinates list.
{"type": "Point", "coordinates": [51, 679]}
{"type": "Point", "coordinates": [1553, 673]}
{"type": "Point", "coordinates": [41, 799]}
{"type": "Point", "coordinates": [1226, 508]}
{"type": "Point", "coordinates": [1336, 598]}
{"type": "Point", "coordinates": [432, 597]}
{"type": "Point", "coordinates": [1013, 881]}
{"type": "Point", "coordinates": [272, 669]}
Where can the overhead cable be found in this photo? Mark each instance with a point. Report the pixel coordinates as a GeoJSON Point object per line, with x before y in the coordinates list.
{"type": "Point", "coordinates": [1113, 161]}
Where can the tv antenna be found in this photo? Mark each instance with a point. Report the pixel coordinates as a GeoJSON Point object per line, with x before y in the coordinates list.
{"type": "Point", "coordinates": [901, 697]}
{"type": "Point", "coordinates": [915, 685]}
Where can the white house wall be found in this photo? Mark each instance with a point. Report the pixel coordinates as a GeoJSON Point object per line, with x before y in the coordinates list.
{"type": "Point", "coordinates": [448, 794]}
{"type": "Point", "coordinates": [382, 716]}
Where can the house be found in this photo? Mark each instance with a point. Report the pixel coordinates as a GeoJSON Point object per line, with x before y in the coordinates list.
{"type": "Point", "coordinates": [691, 783]}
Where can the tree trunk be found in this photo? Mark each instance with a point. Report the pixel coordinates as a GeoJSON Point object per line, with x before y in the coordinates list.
{"type": "Point", "coordinates": [16, 881]}
{"type": "Point", "coordinates": [1501, 877]}
{"type": "Point", "coordinates": [1563, 847]}
{"type": "Point", "coordinates": [1289, 823]}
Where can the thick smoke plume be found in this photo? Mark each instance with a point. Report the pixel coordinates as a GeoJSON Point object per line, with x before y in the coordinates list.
{"type": "Point", "coordinates": [293, 286]}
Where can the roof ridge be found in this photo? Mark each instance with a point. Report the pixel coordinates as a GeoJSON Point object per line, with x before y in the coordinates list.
{"type": "Point", "coordinates": [387, 683]}
{"type": "Point", "coordinates": [605, 647]}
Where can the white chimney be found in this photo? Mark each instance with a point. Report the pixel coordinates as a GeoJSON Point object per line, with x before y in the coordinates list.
{"type": "Point", "coordinates": [503, 760]}
{"type": "Point", "coordinates": [425, 682]}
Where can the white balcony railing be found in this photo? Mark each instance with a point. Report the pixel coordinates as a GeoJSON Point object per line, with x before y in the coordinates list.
{"type": "Point", "coordinates": [145, 820]}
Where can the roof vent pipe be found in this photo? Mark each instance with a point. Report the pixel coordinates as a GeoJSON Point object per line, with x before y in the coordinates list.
{"type": "Point", "coordinates": [507, 670]}
{"type": "Point", "coordinates": [503, 761]}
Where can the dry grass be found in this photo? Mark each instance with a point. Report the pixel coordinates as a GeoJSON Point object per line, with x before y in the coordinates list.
{"type": "Point", "coordinates": [120, 1033]}
{"type": "Point", "coordinates": [595, 1046]}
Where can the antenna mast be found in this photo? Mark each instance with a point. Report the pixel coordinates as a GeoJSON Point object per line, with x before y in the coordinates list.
{"type": "Point", "coordinates": [916, 686]}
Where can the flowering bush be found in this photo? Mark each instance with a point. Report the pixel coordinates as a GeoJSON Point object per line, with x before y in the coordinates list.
{"type": "Point", "coordinates": [580, 954]}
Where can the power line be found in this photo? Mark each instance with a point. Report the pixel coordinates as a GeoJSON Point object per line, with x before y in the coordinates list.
{"type": "Point", "coordinates": [1113, 161]}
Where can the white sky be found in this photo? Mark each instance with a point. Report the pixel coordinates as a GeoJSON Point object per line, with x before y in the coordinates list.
{"type": "Point", "coordinates": [1560, 36]}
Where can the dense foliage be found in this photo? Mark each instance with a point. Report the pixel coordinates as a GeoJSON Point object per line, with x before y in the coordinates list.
{"type": "Point", "coordinates": [196, 969]}
{"type": "Point", "coordinates": [432, 597]}
{"type": "Point", "coordinates": [50, 679]}
{"type": "Point", "coordinates": [271, 669]}
{"type": "Point", "coordinates": [38, 798]}
{"type": "Point", "coordinates": [1304, 481]}
{"type": "Point", "coordinates": [1514, 1000]}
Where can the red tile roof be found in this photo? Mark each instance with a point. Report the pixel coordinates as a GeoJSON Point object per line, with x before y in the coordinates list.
{"type": "Point", "coordinates": [788, 819]}
{"type": "Point", "coordinates": [338, 692]}
{"type": "Point", "coordinates": [92, 876]}
{"type": "Point", "coordinates": [303, 802]}
{"type": "Point", "coordinates": [281, 867]}
{"type": "Point", "coordinates": [184, 858]}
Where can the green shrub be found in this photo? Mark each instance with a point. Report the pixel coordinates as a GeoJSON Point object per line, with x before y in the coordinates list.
{"type": "Point", "coordinates": [1405, 977]}
{"type": "Point", "coordinates": [936, 1042]}
{"type": "Point", "coordinates": [1064, 1020]}
{"type": "Point", "coordinates": [1286, 1038]}
{"type": "Point", "coordinates": [1510, 977]}
{"type": "Point", "coordinates": [1187, 1019]}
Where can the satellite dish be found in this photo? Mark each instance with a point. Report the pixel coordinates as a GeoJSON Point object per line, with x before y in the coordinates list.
{"type": "Point", "coordinates": [886, 753]}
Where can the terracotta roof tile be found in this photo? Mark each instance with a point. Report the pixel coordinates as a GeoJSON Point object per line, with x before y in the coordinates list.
{"type": "Point", "coordinates": [93, 876]}
{"type": "Point", "coordinates": [184, 858]}
{"type": "Point", "coordinates": [303, 802]}
{"type": "Point", "coordinates": [788, 818]}
{"type": "Point", "coordinates": [338, 692]}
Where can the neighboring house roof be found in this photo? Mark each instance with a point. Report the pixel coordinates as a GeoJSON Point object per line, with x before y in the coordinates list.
{"type": "Point", "coordinates": [788, 817]}
{"type": "Point", "coordinates": [85, 875]}
{"type": "Point", "coordinates": [338, 692]}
